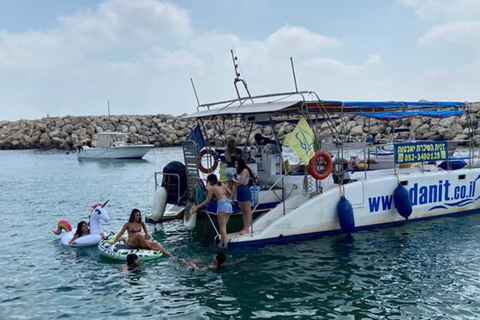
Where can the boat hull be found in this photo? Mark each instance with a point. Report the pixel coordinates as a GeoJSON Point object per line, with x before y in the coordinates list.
{"type": "Point", "coordinates": [433, 194]}
{"type": "Point", "coordinates": [124, 152]}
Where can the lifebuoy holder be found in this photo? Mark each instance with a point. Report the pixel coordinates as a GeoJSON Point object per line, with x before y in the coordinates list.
{"type": "Point", "coordinates": [328, 165]}
{"type": "Point", "coordinates": [213, 154]}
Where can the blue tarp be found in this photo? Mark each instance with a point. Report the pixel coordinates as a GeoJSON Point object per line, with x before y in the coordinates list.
{"type": "Point", "coordinates": [404, 104]}
{"type": "Point", "coordinates": [406, 114]}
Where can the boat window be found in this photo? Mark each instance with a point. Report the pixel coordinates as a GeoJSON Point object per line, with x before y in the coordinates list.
{"type": "Point", "coordinates": [404, 183]}
{"type": "Point", "coordinates": [461, 177]}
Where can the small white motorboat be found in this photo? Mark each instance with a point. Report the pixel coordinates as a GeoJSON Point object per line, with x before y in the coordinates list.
{"type": "Point", "coordinates": [113, 145]}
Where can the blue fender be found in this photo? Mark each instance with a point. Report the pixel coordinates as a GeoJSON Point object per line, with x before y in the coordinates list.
{"type": "Point", "coordinates": [345, 215]}
{"type": "Point", "coordinates": [402, 201]}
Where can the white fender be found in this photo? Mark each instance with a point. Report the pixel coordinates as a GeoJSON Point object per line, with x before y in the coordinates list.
{"type": "Point", "coordinates": [159, 203]}
{"type": "Point", "coordinates": [190, 218]}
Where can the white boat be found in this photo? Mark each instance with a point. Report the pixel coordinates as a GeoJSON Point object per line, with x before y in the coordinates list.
{"type": "Point", "coordinates": [413, 188]}
{"type": "Point", "coordinates": [113, 145]}
{"type": "Point", "coordinates": [387, 149]}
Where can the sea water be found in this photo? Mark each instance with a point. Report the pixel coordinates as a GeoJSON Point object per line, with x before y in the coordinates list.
{"type": "Point", "coordinates": [422, 270]}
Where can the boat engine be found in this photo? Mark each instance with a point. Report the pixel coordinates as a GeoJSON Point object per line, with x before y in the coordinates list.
{"type": "Point", "coordinates": [175, 182]}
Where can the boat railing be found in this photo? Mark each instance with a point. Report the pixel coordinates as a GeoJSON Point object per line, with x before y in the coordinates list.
{"type": "Point", "coordinates": [170, 181]}
{"type": "Point", "coordinates": [374, 154]}
{"type": "Point", "coordinates": [243, 99]}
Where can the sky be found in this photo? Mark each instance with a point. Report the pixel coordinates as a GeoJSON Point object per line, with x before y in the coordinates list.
{"type": "Point", "coordinates": [86, 57]}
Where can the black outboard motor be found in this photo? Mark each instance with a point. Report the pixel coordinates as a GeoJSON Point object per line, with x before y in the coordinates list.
{"type": "Point", "coordinates": [175, 182]}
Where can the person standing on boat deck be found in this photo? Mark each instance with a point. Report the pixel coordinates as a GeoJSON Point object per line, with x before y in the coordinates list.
{"type": "Point", "coordinates": [136, 240]}
{"type": "Point", "coordinates": [232, 153]}
{"type": "Point", "coordinates": [224, 206]}
{"type": "Point", "coordinates": [244, 195]}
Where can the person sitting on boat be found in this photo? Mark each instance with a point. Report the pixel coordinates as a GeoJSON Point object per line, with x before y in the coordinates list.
{"type": "Point", "coordinates": [221, 193]}
{"type": "Point", "coordinates": [232, 153]}
{"type": "Point", "coordinates": [261, 140]}
{"type": "Point", "coordinates": [82, 230]}
{"type": "Point", "coordinates": [244, 195]}
{"type": "Point", "coordinates": [136, 240]}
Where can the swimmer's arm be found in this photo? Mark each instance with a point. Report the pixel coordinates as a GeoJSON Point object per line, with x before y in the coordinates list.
{"type": "Point", "coordinates": [234, 262]}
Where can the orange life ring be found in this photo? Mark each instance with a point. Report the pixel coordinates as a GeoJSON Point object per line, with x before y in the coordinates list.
{"type": "Point", "coordinates": [200, 157]}
{"type": "Point", "coordinates": [328, 165]}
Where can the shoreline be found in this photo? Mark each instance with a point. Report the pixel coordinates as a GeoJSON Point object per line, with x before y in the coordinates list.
{"type": "Point", "coordinates": [165, 130]}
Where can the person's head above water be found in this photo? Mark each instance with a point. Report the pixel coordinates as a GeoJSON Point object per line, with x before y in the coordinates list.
{"type": "Point", "coordinates": [132, 259]}
{"type": "Point", "coordinates": [219, 259]}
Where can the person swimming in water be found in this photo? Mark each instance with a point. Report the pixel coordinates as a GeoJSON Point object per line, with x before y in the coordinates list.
{"type": "Point", "coordinates": [132, 262]}
{"type": "Point", "coordinates": [218, 262]}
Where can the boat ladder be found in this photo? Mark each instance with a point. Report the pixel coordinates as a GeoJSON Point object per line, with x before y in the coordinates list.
{"type": "Point", "coordinates": [191, 165]}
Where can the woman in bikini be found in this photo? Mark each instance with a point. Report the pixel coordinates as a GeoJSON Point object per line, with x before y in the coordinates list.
{"type": "Point", "coordinates": [136, 240]}
{"type": "Point", "coordinates": [224, 207]}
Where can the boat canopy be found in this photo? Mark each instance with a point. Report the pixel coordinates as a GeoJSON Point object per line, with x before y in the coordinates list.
{"type": "Point", "coordinates": [106, 138]}
{"type": "Point", "coordinates": [326, 106]}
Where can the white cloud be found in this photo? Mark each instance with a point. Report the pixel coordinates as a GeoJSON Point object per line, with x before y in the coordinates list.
{"type": "Point", "coordinates": [461, 31]}
{"type": "Point", "coordinates": [140, 55]}
{"type": "Point", "coordinates": [445, 10]}
{"type": "Point", "coordinates": [374, 59]}
{"type": "Point", "coordinates": [291, 36]}
{"type": "Point", "coordinates": [128, 20]}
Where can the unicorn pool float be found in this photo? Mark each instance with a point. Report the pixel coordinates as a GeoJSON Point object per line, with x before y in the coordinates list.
{"type": "Point", "coordinates": [64, 228]}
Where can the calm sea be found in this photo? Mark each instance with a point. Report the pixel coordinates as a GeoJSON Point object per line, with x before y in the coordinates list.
{"type": "Point", "coordinates": [423, 270]}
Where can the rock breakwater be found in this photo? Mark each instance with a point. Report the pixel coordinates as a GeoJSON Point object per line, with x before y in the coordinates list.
{"type": "Point", "coordinates": [163, 130]}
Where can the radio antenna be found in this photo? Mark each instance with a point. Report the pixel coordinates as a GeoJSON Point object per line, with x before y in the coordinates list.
{"type": "Point", "coordinates": [195, 91]}
{"type": "Point", "coordinates": [293, 72]}
{"type": "Point", "coordinates": [238, 79]}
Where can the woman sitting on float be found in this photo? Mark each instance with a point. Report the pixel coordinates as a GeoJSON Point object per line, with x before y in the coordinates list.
{"type": "Point", "coordinates": [136, 240]}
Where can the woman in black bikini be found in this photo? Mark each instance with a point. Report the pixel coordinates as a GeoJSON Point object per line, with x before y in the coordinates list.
{"type": "Point", "coordinates": [136, 240]}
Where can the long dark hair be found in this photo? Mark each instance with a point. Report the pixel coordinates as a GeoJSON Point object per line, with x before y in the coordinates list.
{"type": "Point", "coordinates": [79, 231]}
{"type": "Point", "coordinates": [132, 215]}
{"type": "Point", "coordinates": [241, 165]}
{"type": "Point", "coordinates": [230, 150]}
{"type": "Point", "coordinates": [213, 178]}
